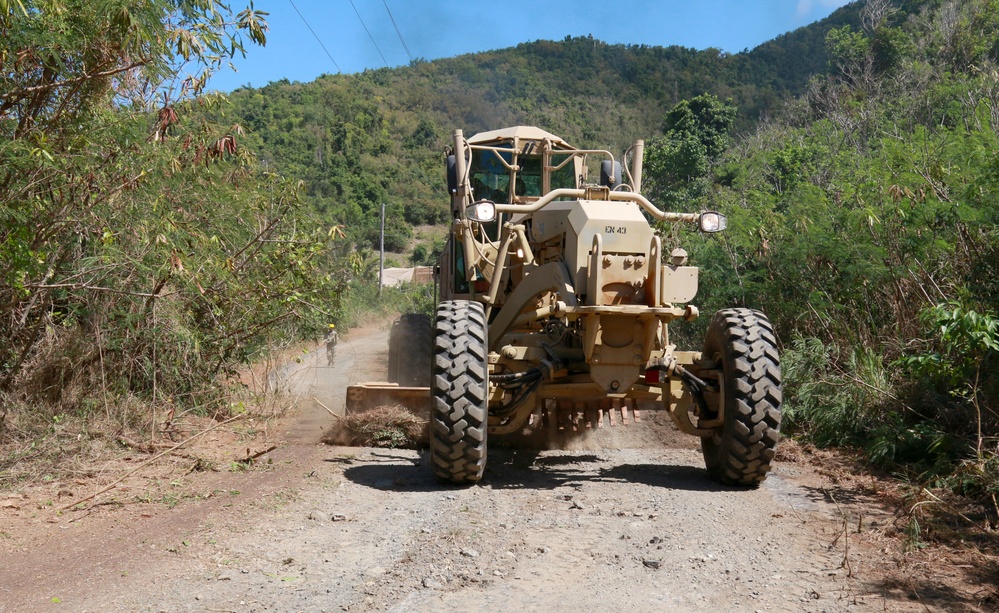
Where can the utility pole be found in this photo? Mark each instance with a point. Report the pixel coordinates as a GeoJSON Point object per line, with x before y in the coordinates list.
{"type": "Point", "coordinates": [381, 255]}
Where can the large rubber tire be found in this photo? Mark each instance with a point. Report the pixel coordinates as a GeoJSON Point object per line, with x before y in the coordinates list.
{"type": "Point", "coordinates": [411, 344]}
{"type": "Point", "coordinates": [459, 388]}
{"type": "Point", "coordinates": [743, 449]}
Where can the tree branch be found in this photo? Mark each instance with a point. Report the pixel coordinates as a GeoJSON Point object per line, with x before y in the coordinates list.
{"type": "Point", "coordinates": [150, 461]}
{"type": "Point", "coordinates": [88, 287]}
{"type": "Point", "coordinates": [39, 88]}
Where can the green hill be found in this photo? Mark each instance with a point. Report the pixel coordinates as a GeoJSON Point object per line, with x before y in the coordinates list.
{"type": "Point", "coordinates": [360, 140]}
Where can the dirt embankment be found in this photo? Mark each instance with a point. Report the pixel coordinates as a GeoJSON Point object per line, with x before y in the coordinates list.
{"type": "Point", "coordinates": [624, 520]}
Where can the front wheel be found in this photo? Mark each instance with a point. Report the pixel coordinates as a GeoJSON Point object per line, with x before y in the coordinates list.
{"type": "Point", "coordinates": [459, 388]}
{"type": "Point", "coordinates": [743, 343]}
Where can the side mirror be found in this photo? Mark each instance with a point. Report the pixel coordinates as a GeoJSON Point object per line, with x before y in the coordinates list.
{"type": "Point", "coordinates": [610, 174]}
{"type": "Point", "coordinates": [482, 211]}
{"type": "Point", "coordinates": [452, 175]}
{"type": "Point", "coordinates": [712, 221]}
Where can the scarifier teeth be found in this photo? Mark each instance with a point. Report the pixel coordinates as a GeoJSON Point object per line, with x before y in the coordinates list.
{"type": "Point", "coordinates": [569, 416]}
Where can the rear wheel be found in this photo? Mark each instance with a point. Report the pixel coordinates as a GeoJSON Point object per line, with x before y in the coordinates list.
{"type": "Point", "coordinates": [743, 343]}
{"type": "Point", "coordinates": [411, 344]}
{"type": "Point", "coordinates": [459, 388]}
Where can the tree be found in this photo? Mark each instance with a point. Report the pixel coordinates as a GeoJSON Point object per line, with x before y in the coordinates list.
{"type": "Point", "coordinates": [850, 56]}
{"type": "Point", "coordinates": [141, 251]}
{"type": "Point", "coordinates": [695, 133]}
{"type": "Point", "coordinates": [66, 61]}
{"type": "Point", "coordinates": [705, 118]}
{"type": "Point", "coordinates": [967, 344]}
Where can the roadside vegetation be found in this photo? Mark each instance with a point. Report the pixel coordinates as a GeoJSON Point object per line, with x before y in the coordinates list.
{"type": "Point", "coordinates": [145, 254]}
{"type": "Point", "coordinates": [863, 220]}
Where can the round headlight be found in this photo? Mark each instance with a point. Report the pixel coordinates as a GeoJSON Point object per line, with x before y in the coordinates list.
{"type": "Point", "coordinates": [712, 221]}
{"type": "Point", "coordinates": [482, 211]}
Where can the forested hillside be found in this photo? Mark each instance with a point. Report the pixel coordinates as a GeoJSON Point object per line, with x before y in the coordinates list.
{"type": "Point", "coordinates": [377, 137]}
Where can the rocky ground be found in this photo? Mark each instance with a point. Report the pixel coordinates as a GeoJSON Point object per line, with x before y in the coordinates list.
{"type": "Point", "coordinates": [624, 519]}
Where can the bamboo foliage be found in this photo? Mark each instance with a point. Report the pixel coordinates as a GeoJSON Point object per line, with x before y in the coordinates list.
{"type": "Point", "coordinates": [136, 238]}
{"type": "Point", "coordinates": [863, 220]}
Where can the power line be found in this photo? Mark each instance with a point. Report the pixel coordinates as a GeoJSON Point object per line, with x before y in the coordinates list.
{"type": "Point", "coordinates": [316, 36]}
{"type": "Point", "coordinates": [401, 40]}
{"type": "Point", "coordinates": [369, 33]}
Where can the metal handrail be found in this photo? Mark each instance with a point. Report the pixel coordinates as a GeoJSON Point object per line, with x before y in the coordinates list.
{"type": "Point", "coordinates": [578, 194]}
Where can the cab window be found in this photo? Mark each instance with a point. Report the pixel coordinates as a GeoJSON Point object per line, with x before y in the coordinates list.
{"type": "Point", "coordinates": [564, 177]}
{"type": "Point", "coordinates": [490, 178]}
{"type": "Point", "coordinates": [529, 176]}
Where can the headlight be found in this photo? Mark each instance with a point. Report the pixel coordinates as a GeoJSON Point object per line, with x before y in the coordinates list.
{"type": "Point", "coordinates": [712, 221]}
{"type": "Point", "coordinates": [482, 211]}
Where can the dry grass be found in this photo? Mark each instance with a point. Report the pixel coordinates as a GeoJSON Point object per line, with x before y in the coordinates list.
{"type": "Point", "coordinates": [66, 414]}
{"type": "Point", "coordinates": [60, 374]}
{"type": "Point", "coordinates": [791, 451]}
{"type": "Point", "coordinates": [40, 443]}
{"type": "Point", "coordinates": [384, 426]}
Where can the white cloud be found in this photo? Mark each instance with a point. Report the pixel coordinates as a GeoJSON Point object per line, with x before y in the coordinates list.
{"type": "Point", "coordinates": [833, 4]}
{"type": "Point", "coordinates": [804, 8]}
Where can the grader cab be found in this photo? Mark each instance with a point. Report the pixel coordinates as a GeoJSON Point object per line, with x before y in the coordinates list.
{"type": "Point", "coordinates": [555, 305]}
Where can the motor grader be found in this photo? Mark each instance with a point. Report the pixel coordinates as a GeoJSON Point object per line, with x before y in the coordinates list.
{"type": "Point", "coordinates": [555, 302]}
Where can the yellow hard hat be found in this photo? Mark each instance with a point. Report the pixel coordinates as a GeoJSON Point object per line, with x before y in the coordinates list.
{"type": "Point", "coordinates": [332, 325]}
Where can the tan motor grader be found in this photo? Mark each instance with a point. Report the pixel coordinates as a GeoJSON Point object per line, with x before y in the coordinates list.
{"type": "Point", "coordinates": [555, 301]}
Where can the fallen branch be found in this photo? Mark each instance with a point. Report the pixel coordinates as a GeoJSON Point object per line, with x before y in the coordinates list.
{"type": "Point", "coordinates": [250, 458]}
{"type": "Point", "coordinates": [953, 509]}
{"type": "Point", "coordinates": [328, 410]}
{"type": "Point", "coordinates": [846, 547]}
{"type": "Point", "coordinates": [150, 461]}
{"type": "Point", "coordinates": [143, 447]}
{"type": "Point", "coordinates": [846, 535]}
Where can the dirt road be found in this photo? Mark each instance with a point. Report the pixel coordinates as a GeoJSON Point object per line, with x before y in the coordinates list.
{"type": "Point", "coordinates": [625, 520]}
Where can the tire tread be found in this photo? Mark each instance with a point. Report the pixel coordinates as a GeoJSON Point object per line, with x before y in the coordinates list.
{"type": "Point", "coordinates": [742, 452]}
{"type": "Point", "coordinates": [459, 386]}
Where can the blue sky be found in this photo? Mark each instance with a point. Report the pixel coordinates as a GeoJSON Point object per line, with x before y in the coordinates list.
{"type": "Point", "coordinates": [434, 29]}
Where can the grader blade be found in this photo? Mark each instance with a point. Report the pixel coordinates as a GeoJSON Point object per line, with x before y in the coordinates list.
{"type": "Point", "coordinates": [365, 396]}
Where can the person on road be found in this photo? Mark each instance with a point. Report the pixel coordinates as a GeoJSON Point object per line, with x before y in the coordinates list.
{"type": "Point", "coordinates": [331, 340]}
